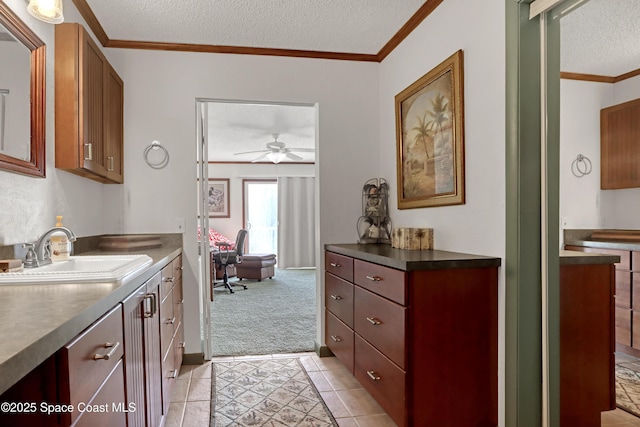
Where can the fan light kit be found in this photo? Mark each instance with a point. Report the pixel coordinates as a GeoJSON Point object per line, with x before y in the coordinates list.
{"type": "Point", "coordinates": [277, 151]}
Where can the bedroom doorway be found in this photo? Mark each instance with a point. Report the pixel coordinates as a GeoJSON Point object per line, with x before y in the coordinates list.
{"type": "Point", "coordinates": [260, 214]}
{"type": "Point", "coordinates": [260, 141]}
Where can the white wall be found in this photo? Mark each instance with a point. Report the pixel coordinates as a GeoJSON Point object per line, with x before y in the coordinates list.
{"type": "Point", "coordinates": [236, 173]}
{"type": "Point", "coordinates": [582, 203]}
{"type": "Point", "coordinates": [160, 104]}
{"type": "Point", "coordinates": [580, 105]}
{"type": "Point", "coordinates": [479, 225]}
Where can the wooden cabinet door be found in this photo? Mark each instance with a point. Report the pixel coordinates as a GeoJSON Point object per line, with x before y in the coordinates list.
{"type": "Point", "coordinates": [92, 105]}
{"type": "Point", "coordinates": [153, 359]}
{"type": "Point", "coordinates": [133, 319]}
{"type": "Point", "coordinates": [113, 125]}
{"type": "Point", "coordinates": [620, 146]}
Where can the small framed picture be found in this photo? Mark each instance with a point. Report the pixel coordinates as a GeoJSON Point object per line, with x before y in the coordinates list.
{"type": "Point", "coordinates": [218, 190]}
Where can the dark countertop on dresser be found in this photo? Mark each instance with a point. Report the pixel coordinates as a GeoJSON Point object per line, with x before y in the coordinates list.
{"type": "Point", "coordinates": [583, 258]}
{"type": "Point", "coordinates": [37, 320]}
{"type": "Point", "coordinates": [582, 237]}
{"type": "Point", "coordinates": [408, 260]}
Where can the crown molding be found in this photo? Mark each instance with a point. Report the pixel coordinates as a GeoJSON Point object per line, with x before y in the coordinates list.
{"type": "Point", "coordinates": [598, 78]}
{"type": "Point", "coordinates": [417, 18]}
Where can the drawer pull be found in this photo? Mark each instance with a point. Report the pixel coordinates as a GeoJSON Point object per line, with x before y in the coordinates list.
{"type": "Point", "coordinates": [182, 344]}
{"type": "Point", "coordinates": [374, 278]}
{"type": "Point", "coordinates": [173, 374]}
{"type": "Point", "coordinates": [373, 321]}
{"type": "Point", "coordinates": [169, 279]}
{"type": "Point", "coordinates": [89, 151]}
{"type": "Point", "coordinates": [152, 310]}
{"type": "Point", "coordinates": [336, 338]}
{"type": "Point", "coordinates": [181, 301]}
{"type": "Point", "coordinates": [108, 355]}
{"type": "Point", "coordinates": [171, 321]}
{"type": "Point", "coordinates": [336, 297]}
{"type": "Point", "coordinates": [373, 375]}
{"type": "Point", "coordinates": [334, 264]}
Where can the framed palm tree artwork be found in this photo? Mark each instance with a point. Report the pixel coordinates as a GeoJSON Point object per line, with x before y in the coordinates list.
{"type": "Point", "coordinates": [430, 138]}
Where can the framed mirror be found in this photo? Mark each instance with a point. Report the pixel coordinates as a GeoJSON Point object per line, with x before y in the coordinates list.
{"type": "Point", "coordinates": [22, 96]}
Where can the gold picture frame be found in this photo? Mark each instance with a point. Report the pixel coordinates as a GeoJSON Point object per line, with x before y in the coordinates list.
{"type": "Point", "coordinates": [430, 138]}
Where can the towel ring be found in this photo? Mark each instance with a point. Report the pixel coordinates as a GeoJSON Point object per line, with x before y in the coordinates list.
{"type": "Point", "coordinates": [156, 155]}
{"type": "Point", "coordinates": [581, 166]}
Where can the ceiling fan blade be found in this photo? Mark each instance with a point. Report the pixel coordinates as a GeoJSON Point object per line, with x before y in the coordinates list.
{"type": "Point", "coordinates": [252, 152]}
{"type": "Point", "coordinates": [292, 156]}
{"type": "Point", "coordinates": [303, 150]}
{"type": "Point", "coordinates": [260, 157]}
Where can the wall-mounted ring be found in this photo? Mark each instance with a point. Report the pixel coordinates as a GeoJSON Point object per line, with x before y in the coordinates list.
{"type": "Point", "coordinates": [581, 166]}
{"type": "Point", "coordinates": [156, 155]}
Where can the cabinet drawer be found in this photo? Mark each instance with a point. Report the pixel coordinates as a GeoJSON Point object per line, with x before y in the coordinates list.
{"type": "Point", "coordinates": [168, 280]}
{"type": "Point", "coordinates": [338, 298]}
{"type": "Point", "coordinates": [382, 323]}
{"type": "Point", "coordinates": [623, 326]}
{"type": "Point", "coordinates": [178, 305]}
{"type": "Point", "coordinates": [109, 402]}
{"type": "Point", "coordinates": [623, 289]}
{"type": "Point", "coordinates": [339, 339]}
{"type": "Point", "coordinates": [167, 323]}
{"type": "Point", "coordinates": [178, 346]}
{"type": "Point", "coordinates": [381, 280]}
{"type": "Point", "coordinates": [169, 375]}
{"type": "Point", "coordinates": [78, 360]}
{"type": "Point", "coordinates": [340, 265]}
{"type": "Point", "coordinates": [383, 380]}
{"type": "Point", "coordinates": [177, 267]}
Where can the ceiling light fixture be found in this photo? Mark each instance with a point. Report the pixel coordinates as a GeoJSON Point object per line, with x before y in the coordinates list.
{"type": "Point", "coordinates": [276, 157]}
{"type": "Point", "coordinates": [49, 11]}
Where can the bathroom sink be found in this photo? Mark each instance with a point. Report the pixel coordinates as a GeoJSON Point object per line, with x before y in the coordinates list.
{"type": "Point", "coordinates": [103, 268]}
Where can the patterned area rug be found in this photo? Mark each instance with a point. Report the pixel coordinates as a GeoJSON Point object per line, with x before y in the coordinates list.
{"type": "Point", "coordinates": [268, 392]}
{"type": "Point", "coordinates": [628, 390]}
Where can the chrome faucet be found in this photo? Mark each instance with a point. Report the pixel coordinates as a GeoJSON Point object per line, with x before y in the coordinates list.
{"type": "Point", "coordinates": [43, 255]}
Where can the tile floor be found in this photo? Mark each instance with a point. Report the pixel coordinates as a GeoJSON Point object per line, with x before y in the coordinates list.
{"type": "Point", "coordinates": [349, 403]}
{"type": "Point", "coordinates": [618, 417]}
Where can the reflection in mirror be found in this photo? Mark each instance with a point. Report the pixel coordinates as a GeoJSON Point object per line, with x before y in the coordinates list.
{"type": "Point", "coordinates": [22, 93]}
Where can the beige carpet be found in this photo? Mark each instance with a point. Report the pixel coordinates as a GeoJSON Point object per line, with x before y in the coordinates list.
{"type": "Point", "coordinates": [267, 392]}
{"type": "Point", "coordinates": [628, 390]}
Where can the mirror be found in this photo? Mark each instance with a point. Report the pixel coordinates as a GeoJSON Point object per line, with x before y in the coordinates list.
{"type": "Point", "coordinates": [22, 97]}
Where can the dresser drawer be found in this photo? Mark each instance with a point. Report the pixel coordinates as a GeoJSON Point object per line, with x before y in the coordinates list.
{"type": "Point", "coordinates": [178, 304]}
{"type": "Point", "coordinates": [169, 375]}
{"type": "Point", "coordinates": [339, 339]}
{"type": "Point", "coordinates": [89, 359]}
{"type": "Point", "coordinates": [382, 323]}
{"type": "Point", "coordinates": [340, 265]}
{"type": "Point", "coordinates": [382, 379]}
{"type": "Point", "coordinates": [338, 298]}
{"type": "Point", "coordinates": [381, 280]}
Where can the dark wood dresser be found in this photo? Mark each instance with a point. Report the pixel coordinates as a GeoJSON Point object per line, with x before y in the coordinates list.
{"type": "Point", "coordinates": [418, 329]}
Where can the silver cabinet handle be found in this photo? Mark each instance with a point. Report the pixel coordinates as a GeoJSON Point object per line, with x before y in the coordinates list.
{"type": "Point", "coordinates": [108, 355]}
{"type": "Point", "coordinates": [88, 151]}
{"type": "Point", "coordinates": [181, 301]}
{"type": "Point", "coordinates": [169, 279]}
{"type": "Point", "coordinates": [171, 321]}
{"type": "Point", "coordinates": [182, 344]}
{"type": "Point", "coordinates": [154, 306]}
{"type": "Point", "coordinates": [373, 375]}
{"type": "Point", "coordinates": [373, 321]}
{"type": "Point", "coordinates": [110, 161]}
{"type": "Point", "coordinates": [333, 264]}
{"type": "Point", "coordinates": [336, 297]}
{"type": "Point", "coordinates": [336, 338]}
{"type": "Point", "coordinates": [374, 278]}
{"type": "Point", "coordinates": [173, 374]}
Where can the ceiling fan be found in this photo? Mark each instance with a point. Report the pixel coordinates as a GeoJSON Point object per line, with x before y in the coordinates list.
{"type": "Point", "coordinates": [277, 151]}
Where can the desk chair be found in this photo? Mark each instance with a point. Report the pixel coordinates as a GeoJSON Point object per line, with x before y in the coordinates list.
{"type": "Point", "coordinates": [225, 257]}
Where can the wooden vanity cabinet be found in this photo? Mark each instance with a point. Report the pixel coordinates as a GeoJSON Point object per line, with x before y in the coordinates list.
{"type": "Point", "coordinates": [420, 341]}
{"type": "Point", "coordinates": [88, 107]}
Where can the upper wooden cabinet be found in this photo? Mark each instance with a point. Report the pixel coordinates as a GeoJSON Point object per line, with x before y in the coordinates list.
{"type": "Point", "coordinates": [89, 108]}
{"type": "Point", "coordinates": [620, 146]}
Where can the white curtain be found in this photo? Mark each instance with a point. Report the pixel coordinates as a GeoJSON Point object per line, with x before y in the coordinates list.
{"type": "Point", "coordinates": [296, 222]}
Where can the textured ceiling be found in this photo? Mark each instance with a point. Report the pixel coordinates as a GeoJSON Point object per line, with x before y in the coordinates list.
{"type": "Point", "coordinates": [601, 37]}
{"type": "Point", "coordinates": [352, 26]}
